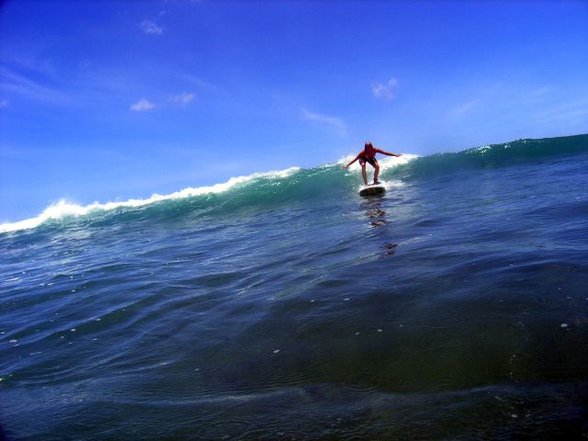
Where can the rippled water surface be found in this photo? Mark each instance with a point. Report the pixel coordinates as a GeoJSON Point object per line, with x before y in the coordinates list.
{"type": "Point", "coordinates": [453, 307]}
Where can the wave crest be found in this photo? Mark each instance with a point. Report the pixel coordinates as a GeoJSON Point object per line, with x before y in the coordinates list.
{"type": "Point", "coordinates": [65, 209]}
{"type": "Point", "coordinates": [263, 190]}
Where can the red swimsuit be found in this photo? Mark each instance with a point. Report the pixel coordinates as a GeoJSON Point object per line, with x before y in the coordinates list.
{"type": "Point", "coordinates": [363, 158]}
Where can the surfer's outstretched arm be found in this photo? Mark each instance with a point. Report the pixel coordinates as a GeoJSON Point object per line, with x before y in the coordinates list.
{"type": "Point", "coordinates": [387, 153]}
{"type": "Point", "coordinates": [356, 158]}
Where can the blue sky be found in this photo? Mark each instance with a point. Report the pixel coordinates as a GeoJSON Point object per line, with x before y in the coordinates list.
{"type": "Point", "coordinates": [110, 100]}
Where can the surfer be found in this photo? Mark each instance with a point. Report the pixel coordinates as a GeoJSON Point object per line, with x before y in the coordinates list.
{"type": "Point", "coordinates": [368, 154]}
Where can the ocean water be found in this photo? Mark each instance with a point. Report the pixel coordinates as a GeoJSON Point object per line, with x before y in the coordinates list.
{"type": "Point", "coordinates": [282, 306]}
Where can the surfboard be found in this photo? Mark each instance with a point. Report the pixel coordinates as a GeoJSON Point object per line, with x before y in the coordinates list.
{"type": "Point", "coordinates": [372, 190]}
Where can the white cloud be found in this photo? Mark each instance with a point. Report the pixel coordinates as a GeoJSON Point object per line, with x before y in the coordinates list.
{"type": "Point", "coordinates": [142, 105]}
{"type": "Point", "coordinates": [151, 28]}
{"type": "Point", "coordinates": [330, 121]}
{"type": "Point", "coordinates": [386, 91]}
{"type": "Point", "coordinates": [182, 99]}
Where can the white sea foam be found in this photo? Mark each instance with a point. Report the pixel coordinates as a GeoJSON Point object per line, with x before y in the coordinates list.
{"type": "Point", "coordinates": [390, 185]}
{"type": "Point", "coordinates": [385, 162]}
{"type": "Point", "coordinates": [64, 208]}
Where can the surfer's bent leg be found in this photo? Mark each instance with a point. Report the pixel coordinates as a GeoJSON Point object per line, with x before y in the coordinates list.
{"type": "Point", "coordinates": [376, 171]}
{"type": "Point", "coordinates": [363, 171]}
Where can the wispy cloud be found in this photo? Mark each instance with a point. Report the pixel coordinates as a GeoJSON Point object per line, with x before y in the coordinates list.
{"type": "Point", "coordinates": [32, 85]}
{"type": "Point", "coordinates": [151, 28]}
{"type": "Point", "coordinates": [386, 91]}
{"type": "Point", "coordinates": [142, 105]}
{"type": "Point", "coordinates": [465, 108]}
{"type": "Point", "coordinates": [182, 99]}
{"type": "Point", "coordinates": [197, 82]}
{"type": "Point", "coordinates": [327, 120]}
{"type": "Point", "coordinates": [572, 112]}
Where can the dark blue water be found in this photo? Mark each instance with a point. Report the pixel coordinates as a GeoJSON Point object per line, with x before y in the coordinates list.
{"type": "Point", "coordinates": [455, 307]}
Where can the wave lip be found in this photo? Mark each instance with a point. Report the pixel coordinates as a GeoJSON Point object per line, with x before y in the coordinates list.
{"type": "Point", "coordinates": [64, 208]}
